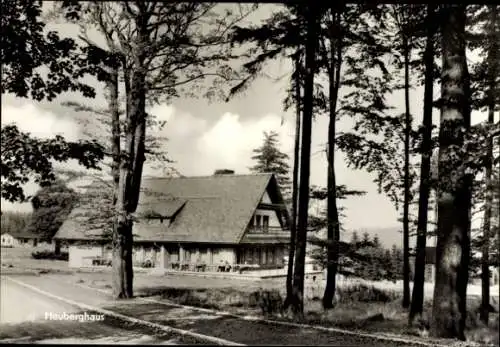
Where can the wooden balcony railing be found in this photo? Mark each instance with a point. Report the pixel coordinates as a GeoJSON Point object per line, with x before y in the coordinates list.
{"type": "Point", "coordinates": [267, 230]}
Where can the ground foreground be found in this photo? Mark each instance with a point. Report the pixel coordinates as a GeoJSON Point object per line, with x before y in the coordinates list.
{"type": "Point", "coordinates": [28, 317]}
{"type": "Point", "coordinates": [229, 328]}
{"type": "Point", "coordinates": [364, 307]}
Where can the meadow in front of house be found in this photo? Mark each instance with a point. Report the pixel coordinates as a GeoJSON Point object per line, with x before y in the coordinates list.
{"type": "Point", "coordinates": [361, 305]}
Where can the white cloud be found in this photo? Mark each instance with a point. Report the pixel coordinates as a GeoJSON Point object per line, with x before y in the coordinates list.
{"type": "Point", "coordinates": [229, 143]}
{"type": "Point", "coordinates": [179, 124]}
{"type": "Point", "coordinates": [40, 123]}
{"type": "Point", "coordinates": [199, 147]}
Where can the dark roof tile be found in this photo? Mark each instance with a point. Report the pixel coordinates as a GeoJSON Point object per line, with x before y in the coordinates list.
{"type": "Point", "coordinates": [212, 209]}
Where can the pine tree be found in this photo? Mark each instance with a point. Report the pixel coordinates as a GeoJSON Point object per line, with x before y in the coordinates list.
{"type": "Point", "coordinates": [270, 159]}
{"type": "Point", "coordinates": [366, 237]}
{"type": "Point", "coordinates": [354, 237]}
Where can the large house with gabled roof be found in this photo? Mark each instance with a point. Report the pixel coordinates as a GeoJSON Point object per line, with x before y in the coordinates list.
{"type": "Point", "coordinates": [201, 222]}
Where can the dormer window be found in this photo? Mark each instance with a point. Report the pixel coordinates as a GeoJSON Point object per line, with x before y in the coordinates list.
{"type": "Point", "coordinates": [265, 224]}
{"type": "Point", "coordinates": [257, 221]}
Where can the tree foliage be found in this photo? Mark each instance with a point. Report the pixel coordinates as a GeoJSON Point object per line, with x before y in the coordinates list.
{"type": "Point", "coordinates": [14, 222]}
{"type": "Point", "coordinates": [270, 159]}
{"type": "Point", "coordinates": [51, 206]}
{"type": "Point", "coordinates": [25, 157]}
{"type": "Point", "coordinates": [37, 64]}
{"type": "Point", "coordinates": [364, 258]}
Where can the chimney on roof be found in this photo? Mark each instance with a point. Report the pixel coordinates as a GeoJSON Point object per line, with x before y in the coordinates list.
{"type": "Point", "coordinates": [220, 172]}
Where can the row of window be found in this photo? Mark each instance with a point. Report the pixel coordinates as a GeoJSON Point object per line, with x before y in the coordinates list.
{"type": "Point", "coordinates": [258, 255]}
{"type": "Point", "coordinates": [260, 222]}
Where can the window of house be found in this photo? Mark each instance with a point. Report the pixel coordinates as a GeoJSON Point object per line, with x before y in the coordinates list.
{"type": "Point", "coordinates": [265, 223]}
{"type": "Point", "coordinates": [248, 255]}
{"type": "Point", "coordinates": [174, 253]}
{"type": "Point", "coordinates": [257, 256]}
{"type": "Point", "coordinates": [257, 221]}
{"type": "Point", "coordinates": [271, 256]}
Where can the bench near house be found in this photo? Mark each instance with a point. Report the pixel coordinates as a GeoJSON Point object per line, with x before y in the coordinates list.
{"type": "Point", "coordinates": [211, 223]}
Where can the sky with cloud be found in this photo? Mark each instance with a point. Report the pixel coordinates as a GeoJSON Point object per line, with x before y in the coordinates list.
{"type": "Point", "coordinates": [204, 136]}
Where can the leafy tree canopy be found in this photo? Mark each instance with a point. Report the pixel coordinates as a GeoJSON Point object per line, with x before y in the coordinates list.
{"type": "Point", "coordinates": [25, 157]}
{"type": "Point", "coordinates": [40, 66]}
{"type": "Point", "coordinates": [51, 206]}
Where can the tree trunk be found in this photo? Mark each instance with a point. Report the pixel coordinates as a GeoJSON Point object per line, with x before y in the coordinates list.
{"type": "Point", "coordinates": [310, 68]}
{"type": "Point", "coordinates": [115, 130]}
{"type": "Point", "coordinates": [57, 248]}
{"type": "Point", "coordinates": [417, 299]}
{"type": "Point", "coordinates": [122, 237]}
{"type": "Point", "coordinates": [485, 269]}
{"type": "Point", "coordinates": [454, 199]}
{"type": "Point", "coordinates": [131, 162]}
{"type": "Point", "coordinates": [498, 209]}
{"type": "Point", "coordinates": [333, 214]}
{"type": "Point", "coordinates": [122, 230]}
{"type": "Point", "coordinates": [295, 178]}
{"type": "Point", "coordinates": [406, 203]}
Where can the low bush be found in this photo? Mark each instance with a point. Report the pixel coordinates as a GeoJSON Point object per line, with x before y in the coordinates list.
{"type": "Point", "coordinates": [365, 293]}
{"type": "Point", "coordinates": [147, 264]}
{"type": "Point", "coordinates": [50, 255]}
{"type": "Point", "coordinates": [269, 301]}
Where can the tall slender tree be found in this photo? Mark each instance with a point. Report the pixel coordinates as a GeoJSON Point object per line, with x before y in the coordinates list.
{"type": "Point", "coordinates": [406, 18]}
{"type": "Point", "coordinates": [295, 182]}
{"type": "Point", "coordinates": [312, 17]}
{"type": "Point", "coordinates": [417, 300]}
{"type": "Point", "coordinates": [492, 62]}
{"type": "Point", "coordinates": [454, 190]}
{"type": "Point", "coordinates": [333, 66]}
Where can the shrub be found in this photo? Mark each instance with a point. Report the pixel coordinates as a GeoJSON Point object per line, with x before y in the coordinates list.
{"type": "Point", "coordinates": [269, 301]}
{"type": "Point", "coordinates": [365, 293]}
{"type": "Point", "coordinates": [147, 264]}
{"type": "Point", "coordinates": [50, 255]}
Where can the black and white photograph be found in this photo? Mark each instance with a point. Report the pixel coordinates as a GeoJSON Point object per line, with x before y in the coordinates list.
{"type": "Point", "coordinates": [250, 173]}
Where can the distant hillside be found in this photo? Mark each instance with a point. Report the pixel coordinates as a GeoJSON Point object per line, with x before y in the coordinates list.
{"type": "Point", "coordinates": [388, 236]}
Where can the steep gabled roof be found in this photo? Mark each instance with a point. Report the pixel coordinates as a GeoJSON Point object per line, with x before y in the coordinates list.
{"type": "Point", "coordinates": [211, 209]}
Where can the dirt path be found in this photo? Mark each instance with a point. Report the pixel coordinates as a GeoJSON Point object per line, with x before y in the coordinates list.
{"type": "Point", "coordinates": [27, 317]}
{"type": "Point", "coordinates": [207, 323]}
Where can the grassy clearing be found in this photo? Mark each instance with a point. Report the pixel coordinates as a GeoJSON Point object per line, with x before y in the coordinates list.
{"type": "Point", "coordinates": [19, 259]}
{"type": "Point", "coordinates": [360, 305]}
